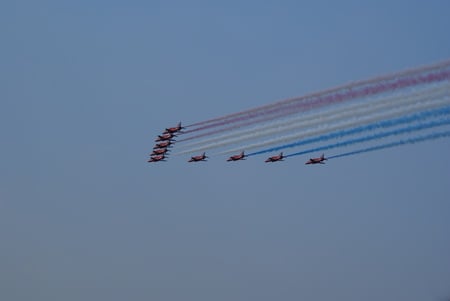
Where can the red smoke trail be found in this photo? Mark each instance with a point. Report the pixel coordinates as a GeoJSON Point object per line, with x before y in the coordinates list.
{"type": "Point", "coordinates": [323, 100]}
{"type": "Point", "coordinates": [253, 112]}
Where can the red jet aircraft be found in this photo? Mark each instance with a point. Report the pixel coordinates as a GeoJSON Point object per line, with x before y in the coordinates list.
{"type": "Point", "coordinates": [159, 151]}
{"type": "Point", "coordinates": [175, 129]}
{"type": "Point", "coordinates": [202, 157]}
{"type": "Point", "coordinates": [317, 160]}
{"type": "Point", "coordinates": [241, 156]}
{"type": "Point", "coordinates": [165, 137]}
{"type": "Point", "coordinates": [275, 158]}
{"type": "Point", "coordinates": [157, 158]}
{"type": "Point", "coordinates": [163, 144]}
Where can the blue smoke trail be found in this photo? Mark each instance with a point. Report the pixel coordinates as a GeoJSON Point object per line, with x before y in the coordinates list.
{"type": "Point", "coordinates": [373, 126]}
{"type": "Point", "coordinates": [385, 134]}
{"type": "Point", "coordinates": [393, 144]}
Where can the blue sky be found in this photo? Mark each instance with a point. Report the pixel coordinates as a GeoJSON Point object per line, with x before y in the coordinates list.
{"type": "Point", "coordinates": [85, 87]}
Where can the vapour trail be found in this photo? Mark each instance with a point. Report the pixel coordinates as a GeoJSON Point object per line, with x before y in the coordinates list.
{"type": "Point", "coordinates": [302, 122]}
{"type": "Point", "coordinates": [320, 101]}
{"type": "Point", "coordinates": [326, 100]}
{"type": "Point", "coordinates": [353, 122]}
{"type": "Point", "coordinates": [338, 122]}
{"type": "Point", "coordinates": [405, 130]}
{"type": "Point", "coordinates": [329, 91]}
{"type": "Point", "coordinates": [432, 136]}
{"type": "Point", "coordinates": [285, 124]}
{"type": "Point", "coordinates": [361, 129]}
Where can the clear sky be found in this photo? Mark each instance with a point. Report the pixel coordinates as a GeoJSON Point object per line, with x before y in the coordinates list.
{"type": "Point", "coordinates": [86, 85]}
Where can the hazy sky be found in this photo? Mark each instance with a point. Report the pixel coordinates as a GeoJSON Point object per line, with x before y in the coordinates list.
{"type": "Point", "coordinates": [86, 85]}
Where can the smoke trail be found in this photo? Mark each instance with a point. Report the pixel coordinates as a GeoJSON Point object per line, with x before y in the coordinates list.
{"type": "Point", "coordinates": [405, 130]}
{"type": "Point", "coordinates": [356, 121]}
{"type": "Point", "coordinates": [329, 91]}
{"type": "Point", "coordinates": [397, 143]}
{"type": "Point", "coordinates": [357, 130]}
{"type": "Point", "coordinates": [318, 127]}
{"type": "Point", "coordinates": [320, 101]}
{"type": "Point", "coordinates": [323, 101]}
{"type": "Point", "coordinates": [285, 124]}
{"type": "Point", "coordinates": [301, 122]}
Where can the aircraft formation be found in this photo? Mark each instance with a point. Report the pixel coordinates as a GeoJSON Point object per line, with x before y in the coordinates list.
{"type": "Point", "coordinates": [386, 111]}
{"type": "Point", "coordinates": [163, 144]}
{"type": "Point", "coordinates": [166, 140]}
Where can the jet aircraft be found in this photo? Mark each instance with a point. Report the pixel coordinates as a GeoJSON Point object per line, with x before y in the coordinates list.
{"type": "Point", "coordinates": [318, 160]}
{"type": "Point", "coordinates": [175, 129]}
{"type": "Point", "coordinates": [157, 158]}
{"type": "Point", "coordinates": [201, 157]}
{"type": "Point", "coordinates": [165, 137]}
{"type": "Point", "coordinates": [159, 151]}
{"type": "Point", "coordinates": [164, 144]}
{"type": "Point", "coordinates": [238, 157]}
{"type": "Point", "coordinates": [275, 158]}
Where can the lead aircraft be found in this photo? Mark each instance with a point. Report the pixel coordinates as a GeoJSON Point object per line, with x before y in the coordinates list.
{"type": "Point", "coordinates": [174, 129]}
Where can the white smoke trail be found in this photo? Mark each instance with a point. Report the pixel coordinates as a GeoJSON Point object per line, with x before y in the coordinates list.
{"type": "Point", "coordinates": [355, 121]}
{"type": "Point", "coordinates": [302, 121]}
